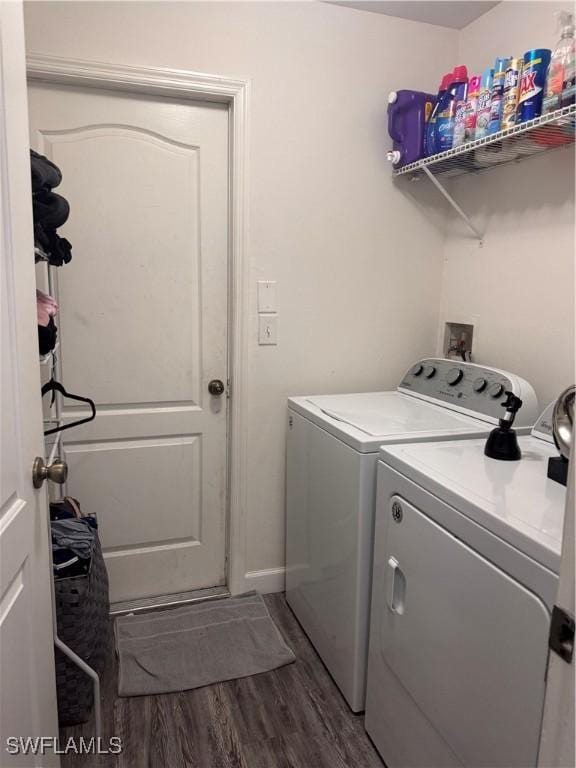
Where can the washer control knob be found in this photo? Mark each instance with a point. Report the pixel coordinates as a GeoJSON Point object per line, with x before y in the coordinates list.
{"type": "Point", "coordinates": [430, 371]}
{"type": "Point", "coordinates": [496, 390]}
{"type": "Point", "coordinates": [417, 370]}
{"type": "Point", "coordinates": [454, 376]}
{"type": "Point", "coordinates": [479, 385]}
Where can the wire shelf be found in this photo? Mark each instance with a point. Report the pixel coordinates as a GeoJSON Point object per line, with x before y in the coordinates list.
{"type": "Point", "coordinates": [524, 140]}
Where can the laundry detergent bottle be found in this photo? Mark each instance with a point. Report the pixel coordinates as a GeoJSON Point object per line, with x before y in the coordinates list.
{"type": "Point", "coordinates": [408, 114]}
{"type": "Point", "coordinates": [466, 107]}
{"type": "Point", "coordinates": [483, 111]}
{"type": "Point", "coordinates": [560, 86]}
{"type": "Point", "coordinates": [429, 143]}
{"type": "Point", "coordinates": [534, 69]}
{"type": "Point", "coordinates": [446, 117]}
{"type": "Point", "coordinates": [472, 107]}
{"type": "Point", "coordinates": [497, 95]}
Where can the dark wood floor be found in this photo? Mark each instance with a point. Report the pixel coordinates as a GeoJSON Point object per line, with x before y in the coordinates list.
{"type": "Point", "coordinates": [293, 717]}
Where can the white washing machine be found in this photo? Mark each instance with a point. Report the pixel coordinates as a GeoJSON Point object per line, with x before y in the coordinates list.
{"type": "Point", "coordinates": [332, 453]}
{"type": "Point", "coordinates": [466, 562]}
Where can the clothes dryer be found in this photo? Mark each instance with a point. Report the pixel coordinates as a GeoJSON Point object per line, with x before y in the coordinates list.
{"type": "Point", "coordinates": [466, 562]}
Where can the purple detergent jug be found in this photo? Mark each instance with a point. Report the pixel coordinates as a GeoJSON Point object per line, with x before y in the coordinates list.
{"type": "Point", "coordinates": [408, 113]}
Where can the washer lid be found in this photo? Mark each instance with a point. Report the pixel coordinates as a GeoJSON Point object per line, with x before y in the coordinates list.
{"type": "Point", "coordinates": [387, 413]}
{"type": "Point", "coordinates": [366, 420]}
{"type": "Point", "coordinates": [515, 500]}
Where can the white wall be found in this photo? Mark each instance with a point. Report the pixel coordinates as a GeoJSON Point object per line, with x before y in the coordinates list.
{"type": "Point", "coordinates": [520, 285]}
{"type": "Point", "coordinates": [358, 259]}
{"type": "Point", "coordinates": [358, 264]}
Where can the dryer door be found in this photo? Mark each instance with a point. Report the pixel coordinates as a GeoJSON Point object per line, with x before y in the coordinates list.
{"type": "Point", "coordinates": [457, 652]}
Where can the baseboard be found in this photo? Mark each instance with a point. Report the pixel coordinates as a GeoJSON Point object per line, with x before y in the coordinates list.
{"type": "Point", "coordinates": [267, 581]}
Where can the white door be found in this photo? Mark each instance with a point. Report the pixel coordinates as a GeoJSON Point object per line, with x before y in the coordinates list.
{"type": "Point", "coordinates": [143, 326]}
{"type": "Point", "coordinates": [27, 681]}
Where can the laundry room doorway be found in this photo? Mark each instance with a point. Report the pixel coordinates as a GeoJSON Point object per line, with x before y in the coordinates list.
{"type": "Point", "coordinates": [144, 326]}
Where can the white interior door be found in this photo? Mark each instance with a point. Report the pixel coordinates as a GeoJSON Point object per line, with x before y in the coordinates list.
{"type": "Point", "coordinates": [27, 681]}
{"type": "Point", "coordinates": [143, 326]}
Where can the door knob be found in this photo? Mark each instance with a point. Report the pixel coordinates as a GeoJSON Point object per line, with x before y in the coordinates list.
{"type": "Point", "coordinates": [216, 387]}
{"type": "Point", "coordinates": [57, 472]}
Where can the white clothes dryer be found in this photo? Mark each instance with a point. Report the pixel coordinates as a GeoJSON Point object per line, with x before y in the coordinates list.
{"type": "Point", "coordinates": [466, 562]}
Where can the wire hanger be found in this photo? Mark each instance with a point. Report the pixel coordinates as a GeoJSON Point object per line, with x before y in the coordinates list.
{"type": "Point", "coordinates": [55, 386]}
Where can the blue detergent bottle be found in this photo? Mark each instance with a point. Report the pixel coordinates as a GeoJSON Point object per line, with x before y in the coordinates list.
{"type": "Point", "coordinates": [429, 143]}
{"type": "Point", "coordinates": [446, 117]}
{"type": "Point", "coordinates": [497, 94]}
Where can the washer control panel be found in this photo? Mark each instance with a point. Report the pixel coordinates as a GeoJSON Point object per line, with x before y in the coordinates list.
{"type": "Point", "coordinates": [465, 385]}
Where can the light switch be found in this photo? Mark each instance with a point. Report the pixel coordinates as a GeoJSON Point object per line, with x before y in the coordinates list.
{"type": "Point", "coordinates": [267, 297]}
{"type": "Point", "coordinates": [267, 329]}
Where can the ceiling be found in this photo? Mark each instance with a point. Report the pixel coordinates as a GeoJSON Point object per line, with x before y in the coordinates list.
{"type": "Point", "coordinates": [445, 13]}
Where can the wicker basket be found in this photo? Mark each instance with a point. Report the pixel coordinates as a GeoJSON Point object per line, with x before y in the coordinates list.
{"type": "Point", "coordinates": [82, 614]}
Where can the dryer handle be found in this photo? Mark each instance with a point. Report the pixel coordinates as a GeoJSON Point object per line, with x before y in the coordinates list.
{"type": "Point", "coordinates": [396, 593]}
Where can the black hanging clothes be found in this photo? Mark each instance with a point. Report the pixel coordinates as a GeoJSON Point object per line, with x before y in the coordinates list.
{"type": "Point", "coordinates": [50, 210]}
{"type": "Point", "coordinates": [58, 249]}
{"type": "Point", "coordinates": [45, 175]}
{"type": "Point", "coordinates": [47, 335]}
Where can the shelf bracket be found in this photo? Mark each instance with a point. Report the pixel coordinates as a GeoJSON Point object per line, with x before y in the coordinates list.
{"type": "Point", "coordinates": [479, 236]}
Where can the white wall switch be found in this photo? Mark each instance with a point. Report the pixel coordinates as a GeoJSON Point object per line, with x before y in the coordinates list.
{"type": "Point", "coordinates": [267, 329]}
{"type": "Point", "coordinates": [267, 296]}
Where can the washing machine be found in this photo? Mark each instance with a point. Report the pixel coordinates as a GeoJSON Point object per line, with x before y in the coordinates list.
{"type": "Point", "coordinates": [466, 563]}
{"type": "Point", "coordinates": [332, 453]}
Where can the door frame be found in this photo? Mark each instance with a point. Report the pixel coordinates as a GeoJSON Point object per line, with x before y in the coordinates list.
{"type": "Point", "coordinates": [234, 93]}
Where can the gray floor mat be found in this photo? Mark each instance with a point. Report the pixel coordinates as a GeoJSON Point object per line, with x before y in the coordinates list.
{"type": "Point", "coordinates": [196, 645]}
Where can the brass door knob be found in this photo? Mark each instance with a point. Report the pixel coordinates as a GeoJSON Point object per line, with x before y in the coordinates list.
{"type": "Point", "coordinates": [57, 472]}
{"type": "Point", "coordinates": [216, 387]}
